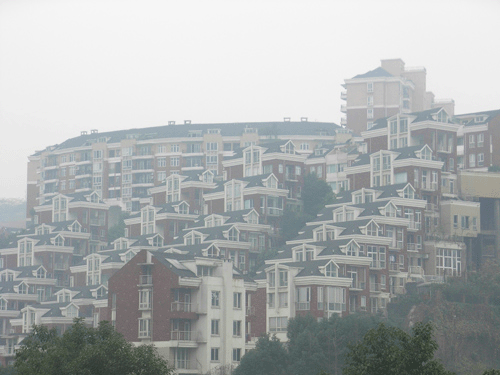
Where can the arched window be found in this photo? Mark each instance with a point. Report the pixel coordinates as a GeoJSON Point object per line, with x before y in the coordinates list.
{"type": "Point", "coordinates": [233, 234]}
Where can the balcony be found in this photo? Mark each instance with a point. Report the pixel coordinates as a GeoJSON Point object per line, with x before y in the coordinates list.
{"type": "Point", "coordinates": [273, 211]}
{"type": "Point", "coordinates": [250, 311]}
{"type": "Point", "coordinates": [343, 108]}
{"type": "Point", "coordinates": [302, 305]}
{"type": "Point", "coordinates": [181, 335]}
{"type": "Point", "coordinates": [416, 270]}
{"type": "Point", "coordinates": [377, 287]}
{"type": "Point", "coordinates": [431, 207]}
{"type": "Point", "coordinates": [290, 177]}
{"type": "Point", "coordinates": [395, 267]}
{"type": "Point", "coordinates": [181, 307]}
{"type": "Point", "coordinates": [359, 285]}
{"type": "Point", "coordinates": [343, 95]}
{"type": "Point", "coordinates": [411, 247]}
{"type": "Point", "coordinates": [429, 186]}
{"type": "Point", "coordinates": [415, 225]}
{"type": "Point", "coordinates": [146, 280]}
{"type": "Point", "coordinates": [444, 148]}
{"type": "Point", "coordinates": [343, 121]}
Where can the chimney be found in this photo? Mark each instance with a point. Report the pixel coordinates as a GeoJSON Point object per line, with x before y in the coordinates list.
{"type": "Point", "coordinates": [171, 122]}
{"type": "Point", "coordinates": [94, 131]}
{"type": "Point", "coordinates": [286, 119]}
{"type": "Point", "coordinates": [83, 132]}
{"type": "Point", "coordinates": [187, 122]}
{"type": "Point", "coordinates": [303, 119]}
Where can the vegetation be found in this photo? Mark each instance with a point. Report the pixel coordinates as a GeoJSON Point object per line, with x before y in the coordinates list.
{"type": "Point", "coordinates": [391, 351]}
{"type": "Point", "coordinates": [86, 351]}
{"type": "Point", "coordinates": [268, 358]}
{"type": "Point", "coordinates": [315, 195]}
{"type": "Point", "coordinates": [118, 229]}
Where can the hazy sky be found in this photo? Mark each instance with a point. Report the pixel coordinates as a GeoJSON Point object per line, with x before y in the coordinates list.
{"type": "Point", "coordinates": [73, 65]}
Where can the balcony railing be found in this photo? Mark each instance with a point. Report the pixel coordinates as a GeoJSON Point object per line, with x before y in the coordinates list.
{"type": "Point", "coordinates": [146, 280]}
{"type": "Point", "coordinates": [415, 225]}
{"type": "Point", "coordinates": [430, 186]}
{"type": "Point", "coordinates": [431, 207]}
{"type": "Point", "coordinates": [433, 279]}
{"type": "Point", "coordinates": [358, 285]}
{"type": "Point", "coordinates": [394, 266]}
{"type": "Point", "coordinates": [415, 270]}
{"type": "Point", "coordinates": [411, 247]}
{"type": "Point", "coordinates": [181, 335]}
{"type": "Point", "coordinates": [184, 364]}
{"type": "Point", "coordinates": [376, 287]}
{"type": "Point", "coordinates": [303, 305]}
{"type": "Point", "coordinates": [181, 306]}
{"type": "Point", "coordinates": [274, 211]}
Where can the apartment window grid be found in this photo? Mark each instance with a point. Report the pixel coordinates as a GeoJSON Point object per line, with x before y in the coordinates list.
{"type": "Point", "coordinates": [144, 328]}
{"type": "Point", "coordinates": [215, 299]}
{"type": "Point", "coordinates": [236, 355]}
{"type": "Point", "coordinates": [237, 300]}
{"type": "Point", "coordinates": [215, 327]}
{"type": "Point", "coordinates": [449, 262]}
{"type": "Point", "coordinates": [214, 354]}
{"type": "Point", "coordinates": [480, 140]}
{"type": "Point", "coordinates": [278, 324]}
{"type": "Point", "coordinates": [236, 328]}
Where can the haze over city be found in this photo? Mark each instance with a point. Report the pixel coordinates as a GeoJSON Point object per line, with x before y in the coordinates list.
{"type": "Point", "coordinates": [68, 66]}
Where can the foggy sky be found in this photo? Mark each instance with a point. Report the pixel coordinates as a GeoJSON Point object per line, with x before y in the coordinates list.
{"type": "Point", "coordinates": [73, 65]}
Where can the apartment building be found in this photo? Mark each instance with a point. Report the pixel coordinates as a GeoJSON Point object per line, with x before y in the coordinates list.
{"type": "Point", "coordinates": [121, 166]}
{"type": "Point", "coordinates": [385, 91]}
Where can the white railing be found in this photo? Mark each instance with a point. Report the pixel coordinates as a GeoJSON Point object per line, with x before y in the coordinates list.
{"type": "Point", "coordinates": [146, 280]}
{"type": "Point", "coordinates": [181, 306]}
{"type": "Point", "coordinates": [180, 335]}
{"type": "Point", "coordinates": [432, 186]}
{"type": "Point", "coordinates": [415, 270]}
{"type": "Point", "coordinates": [411, 247]}
{"type": "Point", "coordinates": [433, 279]}
{"type": "Point", "coordinates": [303, 305]}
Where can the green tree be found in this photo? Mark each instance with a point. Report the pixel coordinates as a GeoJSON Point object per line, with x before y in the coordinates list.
{"type": "Point", "coordinates": [86, 351]}
{"type": "Point", "coordinates": [492, 372]}
{"type": "Point", "coordinates": [315, 195]}
{"type": "Point", "coordinates": [392, 351]}
{"type": "Point", "coordinates": [268, 358]}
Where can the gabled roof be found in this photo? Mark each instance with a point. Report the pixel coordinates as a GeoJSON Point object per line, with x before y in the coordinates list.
{"type": "Point", "coordinates": [378, 72]}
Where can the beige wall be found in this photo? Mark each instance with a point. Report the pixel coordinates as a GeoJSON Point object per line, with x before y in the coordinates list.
{"type": "Point", "coordinates": [460, 208]}
{"type": "Point", "coordinates": [479, 184]}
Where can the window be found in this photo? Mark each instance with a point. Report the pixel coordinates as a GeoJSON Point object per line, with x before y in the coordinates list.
{"type": "Point", "coordinates": [472, 160]}
{"type": "Point", "coordinates": [237, 328]}
{"type": "Point", "coordinates": [237, 300]}
{"type": "Point", "coordinates": [162, 162]}
{"type": "Point", "coordinates": [472, 141]}
{"type": "Point", "coordinates": [480, 159]}
{"type": "Point", "coordinates": [174, 148]}
{"type": "Point", "coordinates": [480, 140]}
{"type": "Point", "coordinates": [449, 262]}
{"type": "Point", "coordinates": [303, 298]}
{"type": "Point", "coordinates": [369, 101]}
{"type": "Point", "coordinates": [174, 161]}
{"type": "Point", "coordinates": [144, 299]}
{"type": "Point", "coordinates": [331, 269]}
{"type": "Point", "coordinates": [236, 355]}
{"type": "Point", "coordinates": [271, 279]}
{"type": "Point", "coordinates": [144, 328]}
{"type": "Point", "coordinates": [369, 87]}
{"type": "Point", "coordinates": [369, 113]}
{"type": "Point", "coordinates": [214, 354]}
{"type": "Point", "coordinates": [283, 278]}
{"type": "Point", "coordinates": [278, 324]}
{"type": "Point", "coordinates": [270, 300]}
{"type": "Point", "coordinates": [215, 298]}
{"type": "Point", "coordinates": [215, 327]}
{"type": "Point", "coordinates": [455, 221]}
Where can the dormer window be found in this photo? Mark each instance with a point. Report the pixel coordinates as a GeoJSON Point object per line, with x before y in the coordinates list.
{"type": "Point", "coordinates": [233, 234]}
{"type": "Point", "coordinates": [208, 177]}
{"type": "Point", "coordinates": [101, 292]}
{"type": "Point", "coordinates": [64, 296]}
{"type": "Point", "coordinates": [390, 210]}
{"type": "Point", "coordinates": [3, 304]}
{"type": "Point", "coordinates": [94, 197]}
{"type": "Point", "coordinates": [272, 182]}
{"type": "Point", "coordinates": [252, 165]}
{"type": "Point", "coordinates": [121, 244]}
{"type": "Point", "coordinates": [213, 251]}
{"type": "Point", "coordinates": [157, 241]}
{"type": "Point", "coordinates": [352, 249]}
{"type": "Point", "coordinates": [129, 255]}
{"type": "Point", "coordinates": [71, 311]}
{"type": "Point", "coordinates": [93, 270]}
{"type": "Point", "coordinates": [173, 188]}
{"type": "Point", "coordinates": [331, 270]}
{"type": "Point", "coordinates": [183, 208]}
{"type": "Point", "coordinates": [372, 229]}
{"type": "Point", "coordinates": [76, 227]}
{"type": "Point", "coordinates": [59, 241]}
{"type": "Point", "coordinates": [192, 238]}
{"type": "Point", "coordinates": [408, 192]}
{"type": "Point", "coordinates": [40, 273]}
{"type": "Point", "coordinates": [23, 288]}
{"type": "Point", "coordinates": [252, 218]}
{"type": "Point", "coordinates": [59, 208]}
{"type": "Point", "coordinates": [289, 148]}
{"type": "Point", "coordinates": [426, 154]}
{"type": "Point", "coordinates": [442, 116]}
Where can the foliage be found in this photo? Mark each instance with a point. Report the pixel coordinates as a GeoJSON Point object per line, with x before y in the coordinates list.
{"type": "Point", "coordinates": [86, 351]}
{"type": "Point", "coordinates": [315, 195]}
{"type": "Point", "coordinates": [321, 346]}
{"type": "Point", "coordinates": [268, 358]}
{"type": "Point", "coordinates": [491, 372]}
{"type": "Point", "coordinates": [494, 168]}
{"type": "Point", "coordinates": [118, 230]}
{"type": "Point", "coordinates": [390, 350]}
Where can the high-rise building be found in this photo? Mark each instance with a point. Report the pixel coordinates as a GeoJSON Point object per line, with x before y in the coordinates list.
{"type": "Point", "coordinates": [387, 90]}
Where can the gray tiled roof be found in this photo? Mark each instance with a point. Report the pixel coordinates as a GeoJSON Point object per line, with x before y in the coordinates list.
{"type": "Point", "coordinates": [378, 72]}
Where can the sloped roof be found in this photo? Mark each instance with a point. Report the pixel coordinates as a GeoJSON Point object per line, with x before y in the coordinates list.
{"type": "Point", "coordinates": [378, 72]}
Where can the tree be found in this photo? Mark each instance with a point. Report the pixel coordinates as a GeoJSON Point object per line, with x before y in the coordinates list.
{"type": "Point", "coordinates": [86, 351]}
{"type": "Point", "coordinates": [315, 195]}
{"type": "Point", "coordinates": [392, 351]}
{"type": "Point", "coordinates": [268, 358]}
